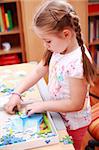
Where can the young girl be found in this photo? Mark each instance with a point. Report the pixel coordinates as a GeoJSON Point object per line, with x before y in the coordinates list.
{"type": "Point", "coordinates": [69, 65]}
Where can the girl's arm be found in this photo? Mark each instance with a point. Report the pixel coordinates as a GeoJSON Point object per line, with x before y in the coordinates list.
{"type": "Point", "coordinates": [78, 89]}
{"type": "Point", "coordinates": [14, 102]}
{"type": "Point", "coordinates": [32, 78]}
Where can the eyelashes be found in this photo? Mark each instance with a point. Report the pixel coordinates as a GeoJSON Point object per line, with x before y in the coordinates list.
{"type": "Point", "coordinates": [48, 41]}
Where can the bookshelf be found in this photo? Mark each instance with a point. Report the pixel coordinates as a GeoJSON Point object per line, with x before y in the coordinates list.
{"type": "Point", "coordinates": [11, 33]}
{"type": "Point", "coordinates": [93, 40]}
{"type": "Point", "coordinates": [93, 26]}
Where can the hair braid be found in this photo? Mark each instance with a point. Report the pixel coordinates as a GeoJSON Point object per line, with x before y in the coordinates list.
{"type": "Point", "coordinates": [89, 68]}
{"type": "Point", "coordinates": [46, 57]}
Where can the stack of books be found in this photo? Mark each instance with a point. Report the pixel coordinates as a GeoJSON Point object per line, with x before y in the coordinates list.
{"type": "Point", "coordinates": [6, 21]}
{"type": "Point", "coordinates": [93, 22]}
{"type": "Point", "coordinates": [9, 59]}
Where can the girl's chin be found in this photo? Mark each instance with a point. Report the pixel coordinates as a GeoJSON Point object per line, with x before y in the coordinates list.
{"type": "Point", "coordinates": [51, 50]}
{"type": "Point", "coordinates": [54, 51]}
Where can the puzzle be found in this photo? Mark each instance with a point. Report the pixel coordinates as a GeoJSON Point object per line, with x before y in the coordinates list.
{"type": "Point", "coordinates": [19, 130]}
{"type": "Point", "coordinates": [26, 132]}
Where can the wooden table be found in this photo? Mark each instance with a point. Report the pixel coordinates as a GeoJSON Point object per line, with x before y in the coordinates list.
{"type": "Point", "coordinates": [28, 67]}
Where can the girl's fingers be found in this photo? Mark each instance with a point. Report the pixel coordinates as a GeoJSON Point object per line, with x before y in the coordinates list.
{"type": "Point", "coordinates": [30, 112]}
{"type": "Point", "coordinates": [28, 106]}
{"type": "Point", "coordinates": [5, 107]}
{"type": "Point", "coordinates": [9, 109]}
{"type": "Point", "coordinates": [19, 107]}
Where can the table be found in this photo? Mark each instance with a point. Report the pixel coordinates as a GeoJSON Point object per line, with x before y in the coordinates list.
{"type": "Point", "coordinates": [19, 70]}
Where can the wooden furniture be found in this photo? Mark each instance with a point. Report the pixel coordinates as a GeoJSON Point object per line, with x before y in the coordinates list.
{"type": "Point", "coordinates": [94, 92]}
{"type": "Point", "coordinates": [93, 40]}
{"type": "Point", "coordinates": [93, 31]}
{"type": "Point", "coordinates": [60, 146]}
{"type": "Point", "coordinates": [13, 36]}
{"type": "Point", "coordinates": [22, 69]}
{"type": "Point", "coordinates": [34, 47]}
{"type": "Point", "coordinates": [91, 138]}
{"type": "Point", "coordinates": [87, 140]}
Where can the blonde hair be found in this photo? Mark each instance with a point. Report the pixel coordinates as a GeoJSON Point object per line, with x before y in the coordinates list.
{"type": "Point", "coordinates": [53, 17]}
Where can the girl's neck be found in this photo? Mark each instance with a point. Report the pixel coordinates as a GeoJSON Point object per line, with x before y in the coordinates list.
{"type": "Point", "coordinates": [73, 45]}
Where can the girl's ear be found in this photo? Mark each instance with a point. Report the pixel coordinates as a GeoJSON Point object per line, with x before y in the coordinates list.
{"type": "Point", "coordinates": [67, 33]}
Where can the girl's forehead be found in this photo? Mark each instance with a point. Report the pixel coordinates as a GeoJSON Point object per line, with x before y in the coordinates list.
{"type": "Point", "coordinates": [45, 35]}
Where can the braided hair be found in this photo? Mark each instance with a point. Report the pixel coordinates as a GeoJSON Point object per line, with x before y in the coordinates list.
{"type": "Point", "coordinates": [88, 66]}
{"type": "Point", "coordinates": [62, 15]}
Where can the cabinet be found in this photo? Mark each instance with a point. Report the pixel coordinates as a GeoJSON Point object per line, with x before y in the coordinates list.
{"type": "Point", "coordinates": [93, 40]}
{"type": "Point", "coordinates": [34, 47]}
{"type": "Point", "coordinates": [11, 35]}
{"type": "Point", "coordinates": [93, 34]}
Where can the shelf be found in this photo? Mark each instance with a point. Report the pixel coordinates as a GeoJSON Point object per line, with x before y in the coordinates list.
{"type": "Point", "coordinates": [93, 3]}
{"type": "Point", "coordinates": [7, 1]}
{"type": "Point", "coordinates": [15, 30]}
{"type": "Point", "coordinates": [93, 14]}
{"type": "Point", "coordinates": [14, 36]}
{"type": "Point", "coordinates": [97, 71]}
{"type": "Point", "coordinates": [96, 42]}
{"type": "Point", "coordinates": [12, 51]}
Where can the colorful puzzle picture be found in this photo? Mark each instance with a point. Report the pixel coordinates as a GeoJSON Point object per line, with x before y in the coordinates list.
{"type": "Point", "coordinates": [19, 130]}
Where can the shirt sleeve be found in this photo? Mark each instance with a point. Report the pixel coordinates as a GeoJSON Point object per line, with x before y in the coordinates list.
{"type": "Point", "coordinates": [75, 69]}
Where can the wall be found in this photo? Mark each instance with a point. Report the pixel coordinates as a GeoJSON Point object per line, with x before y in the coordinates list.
{"type": "Point", "coordinates": [81, 7]}
{"type": "Point", "coordinates": [34, 47]}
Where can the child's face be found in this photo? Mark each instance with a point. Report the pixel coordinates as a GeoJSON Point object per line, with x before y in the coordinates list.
{"type": "Point", "coordinates": [54, 43]}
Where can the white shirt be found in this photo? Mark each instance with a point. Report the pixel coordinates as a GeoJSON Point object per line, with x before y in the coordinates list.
{"type": "Point", "coordinates": [61, 68]}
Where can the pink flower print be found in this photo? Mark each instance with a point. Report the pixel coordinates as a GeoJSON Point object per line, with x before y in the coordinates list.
{"type": "Point", "coordinates": [68, 126]}
{"type": "Point", "coordinates": [55, 68]}
{"type": "Point", "coordinates": [54, 93]}
{"type": "Point", "coordinates": [85, 118]}
{"type": "Point", "coordinates": [60, 75]}
{"type": "Point", "coordinates": [62, 68]}
{"type": "Point", "coordinates": [67, 72]}
{"type": "Point", "coordinates": [58, 88]}
{"type": "Point", "coordinates": [72, 67]}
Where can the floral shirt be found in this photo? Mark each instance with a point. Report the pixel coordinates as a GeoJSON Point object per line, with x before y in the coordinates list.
{"type": "Point", "coordinates": [61, 68]}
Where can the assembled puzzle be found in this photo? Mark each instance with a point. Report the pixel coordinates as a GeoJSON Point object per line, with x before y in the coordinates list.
{"type": "Point", "coordinates": [19, 130]}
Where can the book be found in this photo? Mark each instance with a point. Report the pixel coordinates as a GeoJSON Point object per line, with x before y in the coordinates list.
{"type": "Point", "coordinates": [1, 20]}
{"type": "Point", "coordinates": [91, 31]}
{"type": "Point", "coordinates": [7, 21]}
{"type": "Point", "coordinates": [97, 29]}
{"type": "Point", "coordinates": [93, 1]}
{"type": "Point", "coordinates": [93, 8]}
{"type": "Point", "coordinates": [0, 26]}
{"type": "Point", "coordinates": [10, 19]}
{"type": "Point", "coordinates": [3, 17]}
{"type": "Point", "coordinates": [98, 59]}
{"type": "Point", "coordinates": [9, 59]}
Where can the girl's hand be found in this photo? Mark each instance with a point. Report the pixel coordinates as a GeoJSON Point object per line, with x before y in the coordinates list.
{"type": "Point", "coordinates": [36, 107]}
{"type": "Point", "coordinates": [14, 102]}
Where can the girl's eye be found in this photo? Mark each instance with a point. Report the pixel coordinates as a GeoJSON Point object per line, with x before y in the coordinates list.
{"type": "Point", "coordinates": [48, 41]}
